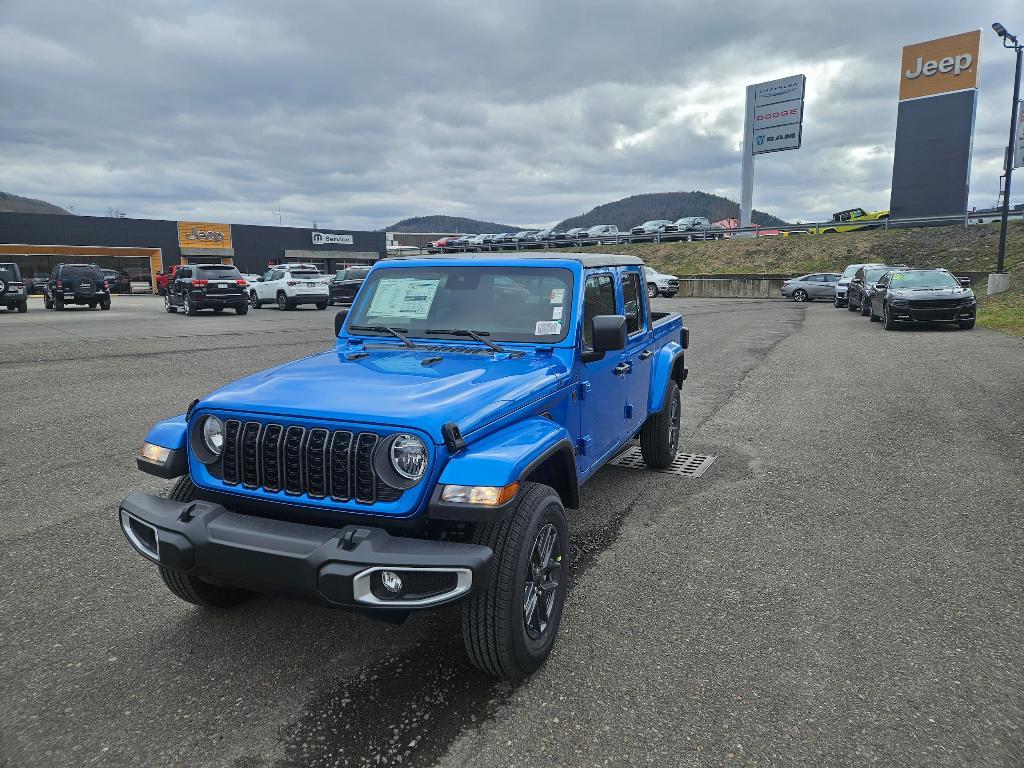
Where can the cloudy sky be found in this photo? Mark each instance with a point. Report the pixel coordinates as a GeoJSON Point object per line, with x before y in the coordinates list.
{"type": "Point", "coordinates": [355, 115]}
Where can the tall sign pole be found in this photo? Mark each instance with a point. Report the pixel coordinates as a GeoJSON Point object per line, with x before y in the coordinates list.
{"type": "Point", "coordinates": [772, 122]}
{"type": "Point", "coordinates": [747, 167]}
{"type": "Point", "coordinates": [1009, 41]}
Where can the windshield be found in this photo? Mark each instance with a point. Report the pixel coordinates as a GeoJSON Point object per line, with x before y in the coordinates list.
{"type": "Point", "coordinates": [78, 272]}
{"type": "Point", "coordinates": [932, 278]}
{"type": "Point", "coordinates": [874, 274]}
{"type": "Point", "coordinates": [219, 272]}
{"type": "Point", "coordinates": [850, 271]}
{"type": "Point", "coordinates": [7, 272]}
{"type": "Point", "coordinates": [305, 274]}
{"type": "Point", "coordinates": [525, 304]}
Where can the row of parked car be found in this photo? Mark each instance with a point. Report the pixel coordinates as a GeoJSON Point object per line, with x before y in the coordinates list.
{"type": "Point", "coordinates": [892, 293]}
{"type": "Point", "coordinates": [687, 228]}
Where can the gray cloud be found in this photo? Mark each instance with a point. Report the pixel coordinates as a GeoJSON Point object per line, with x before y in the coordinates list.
{"type": "Point", "coordinates": [358, 114]}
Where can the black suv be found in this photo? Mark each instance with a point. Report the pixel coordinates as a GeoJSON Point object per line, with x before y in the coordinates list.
{"type": "Point", "coordinates": [13, 293]}
{"type": "Point", "coordinates": [345, 284]}
{"type": "Point", "coordinates": [924, 295]}
{"type": "Point", "coordinates": [76, 284]}
{"type": "Point", "coordinates": [862, 287]}
{"type": "Point", "coordinates": [207, 286]}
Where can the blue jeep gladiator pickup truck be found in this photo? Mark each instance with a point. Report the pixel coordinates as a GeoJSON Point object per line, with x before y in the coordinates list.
{"type": "Point", "coordinates": [429, 456]}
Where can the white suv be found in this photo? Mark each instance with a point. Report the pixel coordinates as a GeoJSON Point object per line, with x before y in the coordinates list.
{"type": "Point", "coordinates": [289, 285]}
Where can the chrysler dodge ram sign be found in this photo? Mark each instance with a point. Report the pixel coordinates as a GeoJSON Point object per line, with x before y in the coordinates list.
{"type": "Point", "coordinates": [775, 114]}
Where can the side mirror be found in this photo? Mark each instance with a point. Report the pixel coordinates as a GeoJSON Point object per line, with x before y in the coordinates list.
{"type": "Point", "coordinates": [879, 286]}
{"type": "Point", "coordinates": [965, 282]}
{"type": "Point", "coordinates": [259, 279]}
{"type": "Point", "coordinates": [339, 320]}
{"type": "Point", "coordinates": [857, 280]}
{"type": "Point", "coordinates": [608, 335]}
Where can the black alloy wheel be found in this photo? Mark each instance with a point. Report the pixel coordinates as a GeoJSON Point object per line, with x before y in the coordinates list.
{"type": "Point", "coordinates": [543, 571]}
{"type": "Point", "coordinates": [652, 291]}
{"type": "Point", "coordinates": [799, 295]}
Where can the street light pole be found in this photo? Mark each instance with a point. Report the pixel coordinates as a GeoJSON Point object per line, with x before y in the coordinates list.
{"type": "Point", "coordinates": [1009, 41]}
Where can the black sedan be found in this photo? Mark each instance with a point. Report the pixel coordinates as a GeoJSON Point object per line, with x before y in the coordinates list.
{"type": "Point", "coordinates": [862, 287]}
{"type": "Point", "coordinates": [345, 285]}
{"type": "Point", "coordinates": [923, 295]}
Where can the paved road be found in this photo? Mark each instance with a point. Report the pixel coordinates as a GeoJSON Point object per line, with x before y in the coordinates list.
{"type": "Point", "coordinates": [843, 587]}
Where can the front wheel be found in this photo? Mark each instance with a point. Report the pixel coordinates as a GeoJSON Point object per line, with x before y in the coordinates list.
{"type": "Point", "coordinates": [105, 304]}
{"type": "Point", "coordinates": [509, 628]}
{"type": "Point", "coordinates": [168, 307]}
{"type": "Point", "coordinates": [887, 322]}
{"type": "Point", "coordinates": [871, 313]}
{"type": "Point", "coordinates": [865, 308]}
{"type": "Point", "coordinates": [242, 309]}
{"type": "Point", "coordinates": [58, 305]}
{"type": "Point", "coordinates": [799, 295]}
{"type": "Point", "coordinates": [849, 305]}
{"type": "Point", "coordinates": [965, 325]}
{"type": "Point", "coordinates": [22, 307]}
{"type": "Point", "coordinates": [47, 303]}
{"type": "Point", "coordinates": [652, 291]}
{"type": "Point", "coordinates": [186, 303]}
{"type": "Point", "coordinates": [659, 436]}
{"type": "Point", "coordinates": [321, 305]}
{"type": "Point", "coordinates": [191, 588]}
{"type": "Point", "coordinates": [283, 303]}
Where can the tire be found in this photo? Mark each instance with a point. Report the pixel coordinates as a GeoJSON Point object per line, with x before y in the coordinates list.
{"type": "Point", "coordinates": [241, 309]}
{"type": "Point", "coordinates": [836, 303]}
{"type": "Point", "coordinates": [187, 305]}
{"type": "Point", "coordinates": [965, 325]}
{"type": "Point", "coordinates": [871, 313]}
{"type": "Point", "coordinates": [168, 307]}
{"type": "Point", "coordinates": [105, 304]}
{"type": "Point", "coordinates": [22, 307]}
{"type": "Point", "coordinates": [652, 291]}
{"type": "Point", "coordinates": [283, 304]}
{"type": "Point", "coordinates": [865, 309]}
{"type": "Point", "coordinates": [799, 295]}
{"type": "Point", "coordinates": [191, 588]}
{"type": "Point", "coordinates": [47, 303]}
{"type": "Point", "coordinates": [321, 305]}
{"type": "Point", "coordinates": [887, 322]}
{"type": "Point", "coordinates": [849, 305]}
{"type": "Point", "coordinates": [495, 629]}
{"type": "Point", "coordinates": [254, 301]}
{"type": "Point", "coordinates": [218, 309]}
{"type": "Point", "coordinates": [58, 305]}
{"type": "Point", "coordinates": [659, 436]}
{"type": "Point", "coordinates": [92, 305]}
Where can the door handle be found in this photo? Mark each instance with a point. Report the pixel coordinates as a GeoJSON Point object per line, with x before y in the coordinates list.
{"type": "Point", "coordinates": [622, 368]}
{"type": "Point", "coordinates": [646, 354]}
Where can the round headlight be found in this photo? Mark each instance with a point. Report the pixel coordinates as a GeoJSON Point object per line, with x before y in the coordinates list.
{"type": "Point", "coordinates": [213, 435]}
{"type": "Point", "coordinates": [408, 456]}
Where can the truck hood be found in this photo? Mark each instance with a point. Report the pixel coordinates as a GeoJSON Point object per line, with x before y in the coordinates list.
{"type": "Point", "coordinates": [391, 386]}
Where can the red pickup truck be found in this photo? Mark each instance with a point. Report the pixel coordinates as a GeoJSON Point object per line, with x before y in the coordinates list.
{"type": "Point", "coordinates": [163, 278]}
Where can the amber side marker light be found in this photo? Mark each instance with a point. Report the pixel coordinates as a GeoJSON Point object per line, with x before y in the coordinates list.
{"type": "Point", "coordinates": [154, 454]}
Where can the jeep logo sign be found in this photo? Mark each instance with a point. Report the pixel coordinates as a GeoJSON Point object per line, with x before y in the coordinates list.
{"type": "Point", "coordinates": [209, 235]}
{"type": "Point", "coordinates": [201, 234]}
{"type": "Point", "coordinates": [940, 66]}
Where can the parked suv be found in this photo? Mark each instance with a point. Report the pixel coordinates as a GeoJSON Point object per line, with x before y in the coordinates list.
{"type": "Point", "coordinates": [844, 283]}
{"type": "Point", "coordinates": [289, 285]}
{"type": "Point", "coordinates": [206, 286]}
{"type": "Point", "coordinates": [13, 293]}
{"type": "Point", "coordinates": [862, 286]}
{"type": "Point", "coordinates": [76, 284]}
{"type": "Point", "coordinates": [345, 284]}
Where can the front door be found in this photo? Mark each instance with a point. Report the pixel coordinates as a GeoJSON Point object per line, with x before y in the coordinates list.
{"type": "Point", "coordinates": [638, 343]}
{"type": "Point", "coordinates": [603, 382]}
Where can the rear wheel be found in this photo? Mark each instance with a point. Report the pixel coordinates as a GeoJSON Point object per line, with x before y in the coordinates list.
{"type": "Point", "coordinates": [23, 306]}
{"type": "Point", "coordinates": [92, 305]}
{"type": "Point", "coordinates": [659, 436]}
{"type": "Point", "coordinates": [865, 308]}
{"type": "Point", "coordinates": [167, 303]}
{"type": "Point", "coordinates": [187, 305]}
{"type": "Point", "coordinates": [283, 303]}
{"type": "Point", "coordinates": [58, 304]}
{"type": "Point", "coordinates": [191, 588]}
{"type": "Point", "coordinates": [47, 303]}
{"type": "Point", "coordinates": [242, 309]}
{"type": "Point", "coordinates": [321, 305]}
{"type": "Point", "coordinates": [510, 627]}
{"type": "Point", "coordinates": [652, 291]}
{"type": "Point", "coordinates": [218, 309]}
{"type": "Point", "coordinates": [254, 301]}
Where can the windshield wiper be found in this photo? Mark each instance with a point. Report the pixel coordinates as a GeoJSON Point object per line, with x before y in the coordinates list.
{"type": "Point", "coordinates": [475, 335]}
{"type": "Point", "coordinates": [398, 333]}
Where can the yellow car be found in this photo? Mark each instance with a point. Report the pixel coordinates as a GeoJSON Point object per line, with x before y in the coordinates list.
{"type": "Point", "coordinates": [850, 220]}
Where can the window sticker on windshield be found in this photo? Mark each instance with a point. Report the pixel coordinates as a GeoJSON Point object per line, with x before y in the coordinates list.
{"type": "Point", "coordinates": [898, 276]}
{"type": "Point", "coordinates": [556, 313]}
{"type": "Point", "coordinates": [406, 297]}
{"type": "Point", "coordinates": [557, 295]}
{"type": "Point", "coordinates": [548, 328]}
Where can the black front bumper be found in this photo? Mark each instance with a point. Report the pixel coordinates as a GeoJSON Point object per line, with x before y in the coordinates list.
{"type": "Point", "coordinates": [329, 566]}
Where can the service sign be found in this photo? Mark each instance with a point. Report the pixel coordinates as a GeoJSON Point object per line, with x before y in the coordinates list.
{"type": "Point", "coordinates": [201, 234]}
{"type": "Point", "coordinates": [783, 89]}
{"type": "Point", "coordinates": [776, 139]}
{"type": "Point", "coordinates": [782, 113]}
{"type": "Point", "coordinates": [940, 66]}
{"type": "Point", "coordinates": [331, 238]}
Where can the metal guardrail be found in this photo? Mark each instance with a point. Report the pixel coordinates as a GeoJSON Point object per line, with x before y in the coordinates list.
{"type": "Point", "coordinates": [789, 230]}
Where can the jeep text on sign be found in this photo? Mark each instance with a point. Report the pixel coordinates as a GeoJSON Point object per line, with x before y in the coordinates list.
{"type": "Point", "coordinates": [940, 66]}
{"type": "Point", "coordinates": [776, 139]}
{"type": "Point", "coordinates": [201, 234]}
{"type": "Point", "coordinates": [783, 113]}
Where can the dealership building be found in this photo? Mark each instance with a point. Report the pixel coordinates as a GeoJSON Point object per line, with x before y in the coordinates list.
{"type": "Point", "coordinates": [137, 249]}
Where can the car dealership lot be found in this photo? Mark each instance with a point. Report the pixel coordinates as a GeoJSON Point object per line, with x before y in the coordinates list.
{"type": "Point", "coordinates": [842, 586]}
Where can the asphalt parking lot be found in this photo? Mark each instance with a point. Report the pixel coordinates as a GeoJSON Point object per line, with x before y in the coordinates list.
{"type": "Point", "coordinates": [843, 586]}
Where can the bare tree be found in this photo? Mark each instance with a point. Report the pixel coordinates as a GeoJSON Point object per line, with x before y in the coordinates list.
{"type": "Point", "coordinates": [116, 213]}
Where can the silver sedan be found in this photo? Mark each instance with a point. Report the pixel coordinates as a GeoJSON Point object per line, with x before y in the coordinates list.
{"type": "Point", "coordinates": [818, 285]}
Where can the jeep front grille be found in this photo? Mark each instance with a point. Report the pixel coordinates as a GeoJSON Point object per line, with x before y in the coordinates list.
{"type": "Point", "coordinates": [294, 460]}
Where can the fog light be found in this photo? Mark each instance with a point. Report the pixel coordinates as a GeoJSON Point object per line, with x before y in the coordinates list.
{"type": "Point", "coordinates": [391, 581]}
{"type": "Point", "coordinates": [155, 454]}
